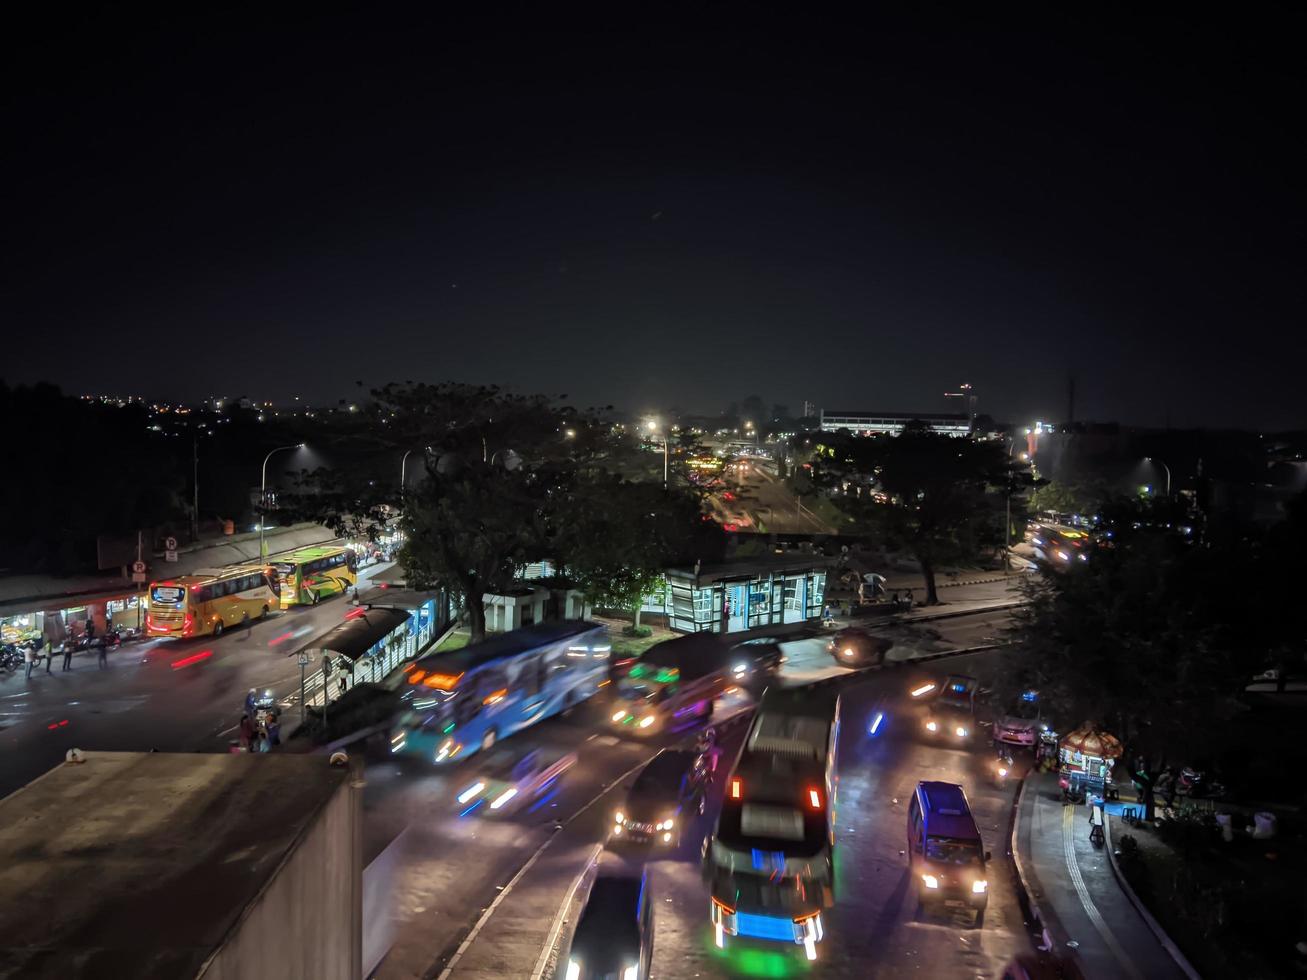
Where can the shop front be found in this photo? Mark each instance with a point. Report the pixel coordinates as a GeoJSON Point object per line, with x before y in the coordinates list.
{"type": "Point", "coordinates": [57, 618]}
{"type": "Point", "coordinates": [742, 596]}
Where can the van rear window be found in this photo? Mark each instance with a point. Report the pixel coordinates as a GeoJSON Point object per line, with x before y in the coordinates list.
{"type": "Point", "coordinates": [775, 822]}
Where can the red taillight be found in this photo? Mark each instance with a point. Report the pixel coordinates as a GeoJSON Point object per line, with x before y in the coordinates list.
{"type": "Point", "coordinates": [737, 789]}
{"type": "Point", "coordinates": [814, 799]}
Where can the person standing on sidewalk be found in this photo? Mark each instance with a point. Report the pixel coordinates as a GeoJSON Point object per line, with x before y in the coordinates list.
{"type": "Point", "coordinates": [48, 650]}
{"type": "Point", "coordinates": [68, 654]}
{"type": "Point", "coordinates": [90, 630]}
{"type": "Point", "coordinates": [29, 657]}
{"type": "Point", "coordinates": [102, 653]}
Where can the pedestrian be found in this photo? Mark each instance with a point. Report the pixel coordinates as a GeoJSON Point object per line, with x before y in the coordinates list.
{"type": "Point", "coordinates": [102, 653]}
{"type": "Point", "coordinates": [909, 599]}
{"type": "Point", "coordinates": [340, 686]}
{"type": "Point", "coordinates": [261, 738]}
{"type": "Point", "coordinates": [68, 653]}
{"type": "Point", "coordinates": [29, 656]}
{"type": "Point", "coordinates": [90, 630]}
{"type": "Point", "coordinates": [274, 731]}
{"type": "Point", "coordinates": [49, 654]}
{"type": "Point", "coordinates": [246, 732]}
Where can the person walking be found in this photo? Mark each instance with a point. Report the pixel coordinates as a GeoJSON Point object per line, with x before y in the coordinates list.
{"type": "Point", "coordinates": [274, 731]}
{"type": "Point", "coordinates": [68, 654]}
{"type": "Point", "coordinates": [29, 657]}
{"type": "Point", "coordinates": [102, 653]}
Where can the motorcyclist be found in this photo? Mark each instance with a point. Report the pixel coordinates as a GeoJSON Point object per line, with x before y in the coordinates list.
{"type": "Point", "coordinates": [706, 745]}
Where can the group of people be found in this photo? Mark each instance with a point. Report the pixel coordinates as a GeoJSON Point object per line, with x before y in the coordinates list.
{"type": "Point", "coordinates": [260, 734]}
{"type": "Point", "coordinates": [34, 651]}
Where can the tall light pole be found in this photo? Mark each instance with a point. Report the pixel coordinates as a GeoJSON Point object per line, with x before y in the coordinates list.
{"type": "Point", "coordinates": [1150, 459]}
{"type": "Point", "coordinates": [403, 463]}
{"type": "Point", "coordinates": [652, 425]}
{"type": "Point", "coordinates": [263, 495]}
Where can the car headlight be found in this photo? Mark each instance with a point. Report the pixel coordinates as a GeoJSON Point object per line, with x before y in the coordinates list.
{"type": "Point", "coordinates": [631, 972]}
{"type": "Point", "coordinates": [619, 817]}
{"type": "Point", "coordinates": [573, 970]}
{"type": "Point", "coordinates": [618, 715]}
{"type": "Point", "coordinates": [962, 732]}
{"type": "Point", "coordinates": [667, 824]}
{"type": "Point", "coordinates": [646, 721]}
{"type": "Point", "coordinates": [1002, 770]}
{"type": "Point", "coordinates": [979, 886]}
{"type": "Point", "coordinates": [930, 881]}
{"type": "Point", "coordinates": [848, 651]}
{"type": "Point", "coordinates": [740, 668]}
{"type": "Point", "coordinates": [931, 726]}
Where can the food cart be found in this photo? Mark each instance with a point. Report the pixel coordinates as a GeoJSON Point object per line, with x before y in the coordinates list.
{"type": "Point", "coordinates": [1085, 760]}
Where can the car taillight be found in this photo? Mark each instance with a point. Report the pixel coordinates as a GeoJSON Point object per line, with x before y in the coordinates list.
{"type": "Point", "coordinates": [814, 799]}
{"type": "Point", "coordinates": [737, 789]}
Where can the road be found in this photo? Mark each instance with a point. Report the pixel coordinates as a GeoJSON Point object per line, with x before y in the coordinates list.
{"type": "Point", "coordinates": [451, 865]}
{"type": "Point", "coordinates": [752, 494]}
{"type": "Point", "coordinates": [150, 697]}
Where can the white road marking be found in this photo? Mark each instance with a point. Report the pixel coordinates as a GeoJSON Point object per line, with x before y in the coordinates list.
{"type": "Point", "coordinates": [542, 963]}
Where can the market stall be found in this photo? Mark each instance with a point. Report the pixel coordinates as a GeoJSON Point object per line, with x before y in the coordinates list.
{"type": "Point", "coordinates": [1085, 760]}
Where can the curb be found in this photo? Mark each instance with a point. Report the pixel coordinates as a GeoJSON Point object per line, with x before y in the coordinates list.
{"type": "Point", "coordinates": [1036, 918]}
{"type": "Point", "coordinates": [1154, 926]}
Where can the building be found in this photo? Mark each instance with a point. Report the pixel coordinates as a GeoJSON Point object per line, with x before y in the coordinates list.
{"type": "Point", "coordinates": [871, 423]}
{"type": "Point", "coordinates": [153, 865]}
{"type": "Point", "coordinates": [753, 594]}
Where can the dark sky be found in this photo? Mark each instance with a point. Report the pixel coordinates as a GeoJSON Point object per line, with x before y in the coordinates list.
{"type": "Point", "coordinates": [861, 214]}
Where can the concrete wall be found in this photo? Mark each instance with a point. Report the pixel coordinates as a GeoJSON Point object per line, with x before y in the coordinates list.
{"type": "Point", "coordinates": [308, 921]}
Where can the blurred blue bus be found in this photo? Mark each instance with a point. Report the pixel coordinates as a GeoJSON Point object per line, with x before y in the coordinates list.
{"type": "Point", "coordinates": [464, 701]}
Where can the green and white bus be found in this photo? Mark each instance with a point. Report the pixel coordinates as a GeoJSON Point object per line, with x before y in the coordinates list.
{"type": "Point", "coordinates": [312, 574]}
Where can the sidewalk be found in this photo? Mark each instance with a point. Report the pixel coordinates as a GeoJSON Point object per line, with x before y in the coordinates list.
{"type": "Point", "coordinates": [1077, 893]}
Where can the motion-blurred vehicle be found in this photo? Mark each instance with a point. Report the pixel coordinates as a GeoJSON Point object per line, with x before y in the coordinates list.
{"type": "Point", "coordinates": [1021, 724]}
{"type": "Point", "coordinates": [945, 852]}
{"type": "Point", "coordinates": [505, 781]}
{"type": "Point", "coordinates": [673, 684]}
{"type": "Point", "coordinates": [614, 936]}
{"type": "Point", "coordinates": [952, 715]}
{"type": "Point", "coordinates": [669, 793]}
{"type": "Point", "coordinates": [756, 660]}
{"type": "Point", "coordinates": [770, 860]}
{"type": "Point", "coordinates": [855, 647]}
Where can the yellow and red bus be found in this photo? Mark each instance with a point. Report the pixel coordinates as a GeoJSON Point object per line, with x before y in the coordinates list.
{"type": "Point", "coordinates": [311, 574]}
{"type": "Point", "coordinates": [208, 602]}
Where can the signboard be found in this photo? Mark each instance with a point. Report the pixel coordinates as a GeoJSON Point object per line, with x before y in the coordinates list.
{"type": "Point", "coordinates": [138, 568]}
{"type": "Point", "coordinates": [305, 658]}
{"type": "Point", "coordinates": [170, 556]}
{"type": "Point", "coordinates": [138, 578]}
{"type": "Point", "coordinates": [170, 544]}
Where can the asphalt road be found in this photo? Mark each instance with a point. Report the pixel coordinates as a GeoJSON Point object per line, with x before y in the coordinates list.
{"type": "Point", "coordinates": [150, 697]}
{"type": "Point", "coordinates": [452, 865]}
{"type": "Point", "coordinates": [755, 492]}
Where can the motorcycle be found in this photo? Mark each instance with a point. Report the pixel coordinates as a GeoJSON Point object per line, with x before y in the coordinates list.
{"type": "Point", "coordinates": [1001, 769]}
{"type": "Point", "coordinates": [1197, 785]}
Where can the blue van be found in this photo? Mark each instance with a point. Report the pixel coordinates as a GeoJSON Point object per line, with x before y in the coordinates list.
{"type": "Point", "coordinates": [945, 852]}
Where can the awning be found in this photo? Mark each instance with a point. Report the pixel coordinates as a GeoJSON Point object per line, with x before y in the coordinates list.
{"type": "Point", "coordinates": [358, 634]}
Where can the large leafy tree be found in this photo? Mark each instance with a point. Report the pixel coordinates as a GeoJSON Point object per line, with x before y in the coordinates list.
{"type": "Point", "coordinates": [937, 497]}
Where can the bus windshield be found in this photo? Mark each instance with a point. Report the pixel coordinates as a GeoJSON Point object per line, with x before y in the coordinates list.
{"type": "Point", "coordinates": [168, 594]}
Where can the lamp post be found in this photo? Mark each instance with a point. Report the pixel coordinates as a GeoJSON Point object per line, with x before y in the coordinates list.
{"type": "Point", "coordinates": [652, 425]}
{"type": "Point", "coordinates": [263, 494]}
{"type": "Point", "coordinates": [1150, 459]}
{"type": "Point", "coordinates": [403, 463]}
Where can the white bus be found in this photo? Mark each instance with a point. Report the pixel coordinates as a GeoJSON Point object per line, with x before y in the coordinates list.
{"type": "Point", "coordinates": [770, 861]}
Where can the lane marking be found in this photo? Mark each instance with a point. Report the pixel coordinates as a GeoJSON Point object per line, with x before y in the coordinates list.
{"type": "Point", "coordinates": [490, 909]}
{"type": "Point", "coordinates": [557, 928]}
{"type": "Point", "coordinates": [1091, 910]}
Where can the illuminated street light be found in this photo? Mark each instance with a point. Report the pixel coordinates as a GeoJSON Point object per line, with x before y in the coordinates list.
{"type": "Point", "coordinates": [263, 494]}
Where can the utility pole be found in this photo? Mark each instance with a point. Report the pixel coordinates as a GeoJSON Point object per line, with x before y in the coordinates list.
{"type": "Point", "coordinates": [195, 485]}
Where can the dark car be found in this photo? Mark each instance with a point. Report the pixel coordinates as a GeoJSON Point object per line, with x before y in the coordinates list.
{"type": "Point", "coordinates": [756, 660]}
{"type": "Point", "coordinates": [855, 647]}
{"type": "Point", "coordinates": [669, 793]}
{"type": "Point", "coordinates": [614, 937]}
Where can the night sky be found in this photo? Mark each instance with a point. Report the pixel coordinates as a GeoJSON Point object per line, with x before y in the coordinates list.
{"type": "Point", "coordinates": [863, 214]}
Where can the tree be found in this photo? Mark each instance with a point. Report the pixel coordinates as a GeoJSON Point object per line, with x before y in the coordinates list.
{"type": "Point", "coordinates": [1069, 498]}
{"type": "Point", "coordinates": [938, 497]}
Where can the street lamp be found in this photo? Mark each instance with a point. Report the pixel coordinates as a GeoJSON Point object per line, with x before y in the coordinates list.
{"type": "Point", "coordinates": [263, 494]}
{"type": "Point", "coordinates": [652, 426]}
{"type": "Point", "coordinates": [1150, 459]}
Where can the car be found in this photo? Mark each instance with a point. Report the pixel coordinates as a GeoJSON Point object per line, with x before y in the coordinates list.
{"type": "Point", "coordinates": [614, 935]}
{"type": "Point", "coordinates": [1022, 723]}
{"type": "Point", "coordinates": [756, 659]}
{"type": "Point", "coordinates": [952, 715]}
{"type": "Point", "coordinates": [505, 780]}
{"type": "Point", "coordinates": [667, 795]}
{"type": "Point", "coordinates": [946, 855]}
{"type": "Point", "coordinates": [855, 647]}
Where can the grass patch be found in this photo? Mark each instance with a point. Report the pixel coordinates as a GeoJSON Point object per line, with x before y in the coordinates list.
{"type": "Point", "coordinates": [456, 640]}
